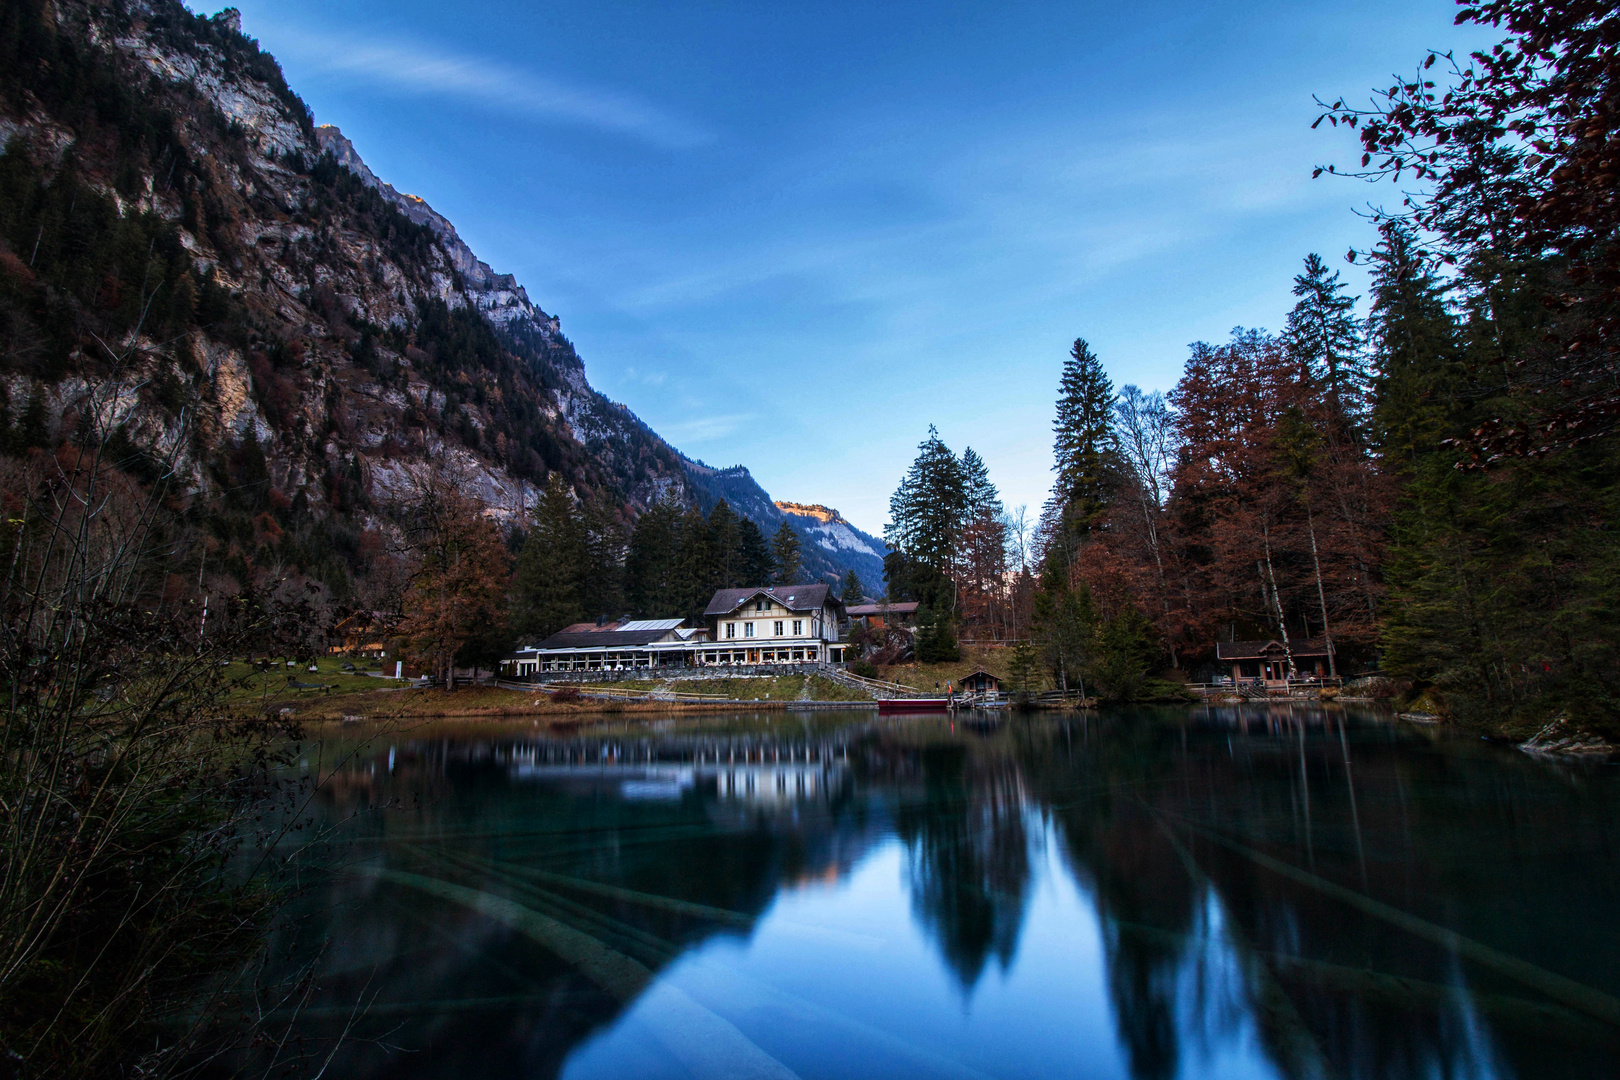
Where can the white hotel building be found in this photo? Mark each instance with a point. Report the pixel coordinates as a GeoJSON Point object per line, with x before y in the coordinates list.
{"type": "Point", "coordinates": [782, 624]}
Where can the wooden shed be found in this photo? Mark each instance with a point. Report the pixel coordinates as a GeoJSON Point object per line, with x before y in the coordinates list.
{"type": "Point", "coordinates": [980, 682]}
{"type": "Point", "coordinates": [1268, 661]}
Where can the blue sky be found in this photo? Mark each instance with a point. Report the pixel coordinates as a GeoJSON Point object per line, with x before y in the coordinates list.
{"type": "Point", "coordinates": [792, 236]}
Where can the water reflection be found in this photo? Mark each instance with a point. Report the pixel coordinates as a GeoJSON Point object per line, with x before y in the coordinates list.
{"type": "Point", "coordinates": [1245, 891]}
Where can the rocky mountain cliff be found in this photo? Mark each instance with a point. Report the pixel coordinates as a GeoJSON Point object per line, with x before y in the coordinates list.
{"type": "Point", "coordinates": [232, 294]}
{"type": "Point", "coordinates": [839, 542]}
{"type": "Point", "coordinates": [830, 544]}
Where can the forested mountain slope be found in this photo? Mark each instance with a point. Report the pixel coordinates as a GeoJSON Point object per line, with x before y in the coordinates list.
{"type": "Point", "coordinates": [831, 545]}
{"type": "Point", "coordinates": [228, 289]}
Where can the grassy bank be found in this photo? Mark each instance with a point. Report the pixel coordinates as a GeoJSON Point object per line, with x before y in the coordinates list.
{"type": "Point", "coordinates": [993, 659]}
{"type": "Point", "coordinates": [361, 697]}
{"type": "Point", "coordinates": [997, 660]}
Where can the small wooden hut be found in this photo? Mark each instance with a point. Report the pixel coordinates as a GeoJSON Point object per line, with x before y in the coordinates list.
{"type": "Point", "coordinates": [980, 682]}
{"type": "Point", "coordinates": [1267, 661]}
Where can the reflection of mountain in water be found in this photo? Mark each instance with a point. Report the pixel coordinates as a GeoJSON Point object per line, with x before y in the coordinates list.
{"type": "Point", "coordinates": [1242, 866]}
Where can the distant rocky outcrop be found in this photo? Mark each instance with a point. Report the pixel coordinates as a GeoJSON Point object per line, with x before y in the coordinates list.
{"type": "Point", "coordinates": [842, 542]}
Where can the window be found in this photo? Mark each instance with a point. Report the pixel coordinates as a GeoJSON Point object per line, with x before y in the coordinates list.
{"type": "Point", "coordinates": [762, 604]}
{"type": "Point", "coordinates": [778, 628]}
{"type": "Point", "coordinates": [731, 629]}
{"type": "Point", "coordinates": [748, 629]}
{"type": "Point", "coordinates": [798, 627]}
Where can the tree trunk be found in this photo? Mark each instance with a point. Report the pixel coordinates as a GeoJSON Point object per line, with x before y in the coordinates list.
{"type": "Point", "coordinates": [1321, 595]}
{"type": "Point", "coordinates": [1276, 600]}
{"type": "Point", "coordinates": [1158, 561]}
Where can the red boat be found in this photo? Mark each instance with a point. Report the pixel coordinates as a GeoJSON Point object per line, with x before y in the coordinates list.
{"type": "Point", "coordinates": [914, 704]}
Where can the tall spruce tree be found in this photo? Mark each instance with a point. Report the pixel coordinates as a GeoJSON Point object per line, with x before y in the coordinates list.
{"type": "Point", "coordinates": [548, 587]}
{"type": "Point", "coordinates": [725, 549]}
{"type": "Point", "coordinates": [603, 588]}
{"type": "Point", "coordinates": [927, 510]}
{"type": "Point", "coordinates": [978, 492]}
{"type": "Point", "coordinates": [1325, 337]}
{"type": "Point", "coordinates": [787, 555]}
{"type": "Point", "coordinates": [694, 572]}
{"type": "Point", "coordinates": [1083, 447]}
{"type": "Point", "coordinates": [1438, 587]}
{"type": "Point", "coordinates": [1414, 337]}
{"type": "Point", "coordinates": [651, 588]}
{"type": "Point", "coordinates": [754, 563]}
{"type": "Point", "coordinates": [853, 590]}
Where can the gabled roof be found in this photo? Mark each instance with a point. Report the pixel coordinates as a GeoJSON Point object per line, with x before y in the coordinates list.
{"type": "Point", "coordinates": [861, 611]}
{"type": "Point", "coordinates": [980, 671]}
{"type": "Point", "coordinates": [792, 597]}
{"type": "Point", "coordinates": [1270, 649]}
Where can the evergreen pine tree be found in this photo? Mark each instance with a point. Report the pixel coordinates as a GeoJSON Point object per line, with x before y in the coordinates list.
{"type": "Point", "coordinates": [1324, 336]}
{"type": "Point", "coordinates": [650, 563]}
{"type": "Point", "coordinates": [548, 588]}
{"type": "Point", "coordinates": [694, 568]}
{"type": "Point", "coordinates": [854, 592]}
{"type": "Point", "coordinates": [786, 555]}
{"type": "Point", "coordinates": [929, 507]}
{"type": "Point", "coordinates": [1125, 652]}
{"type": "Point", "coordinates": [978, 493]}
{"type": "Point", "coordinates": [32, 431]}
{"type": "Point", "coordinates": [602, 590]}
{"type": "Point", "coordinates": [725, 549]}
{"type": "Point", "coordinates": [1065, 623]}
{"type": "Point", "coordinates": [1023, 670]}
{"type": "Point", "coordinates": [935, 642]}
{"type": "Point", "coordinates": [1084, 445]}
{"type": "Point", "coordinates": [1414, 340]}
{"type": "Point", "coordinates": [754, 563]}
{"type": "Point", "coordinates": [1434, 580]}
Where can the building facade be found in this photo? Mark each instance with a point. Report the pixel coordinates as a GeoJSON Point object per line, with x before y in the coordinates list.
{"type": "Point", "coordinates": [782, 624]}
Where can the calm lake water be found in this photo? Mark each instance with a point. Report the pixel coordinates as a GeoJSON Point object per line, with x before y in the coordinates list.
{"type": "Point", "coordinates": [1222, 892]}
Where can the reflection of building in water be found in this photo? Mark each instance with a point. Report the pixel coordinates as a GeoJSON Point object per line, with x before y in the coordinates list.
{"type": "Point", "coordinates": [774, 774]}
{"type": "Point", "coordinates": [780, 783]}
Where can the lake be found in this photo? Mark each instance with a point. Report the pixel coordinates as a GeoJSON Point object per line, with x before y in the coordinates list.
{"type": "Point", "coordinates": [1248, 891]}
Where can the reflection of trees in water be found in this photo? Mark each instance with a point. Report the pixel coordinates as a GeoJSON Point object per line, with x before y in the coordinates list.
{"type": "Point", "coordinates": [1145, 905]}
{"type": "Point", "coordinates": [1205, 948]}
{"type": "Point", "coordinates": [1201, 939]}
{"type": "Point", "coordinates": [969, 850]}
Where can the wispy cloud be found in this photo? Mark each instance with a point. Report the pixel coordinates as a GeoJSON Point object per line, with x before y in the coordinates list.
{"type": "Point", "coordinates": [702, 429]}
{"type": "Point", "coordinates": [419, 70]}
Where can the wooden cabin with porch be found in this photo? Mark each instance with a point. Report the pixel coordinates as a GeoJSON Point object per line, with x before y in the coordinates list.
{"type": "Point", "coordinates": [980, 682]}
{"type": "Point", "coordinates": [1267, 661]}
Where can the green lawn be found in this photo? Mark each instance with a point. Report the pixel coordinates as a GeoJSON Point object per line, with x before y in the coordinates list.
{"type": "Point", "coordinates": [765, 688]}
{"type": "Point", "coordinates": [254, 684]}
{"type": "Point", "coordinates": [924, 676]}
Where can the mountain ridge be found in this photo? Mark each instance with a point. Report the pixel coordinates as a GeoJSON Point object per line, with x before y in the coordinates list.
{"type": "Point", "coordinates": [316, 337]}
